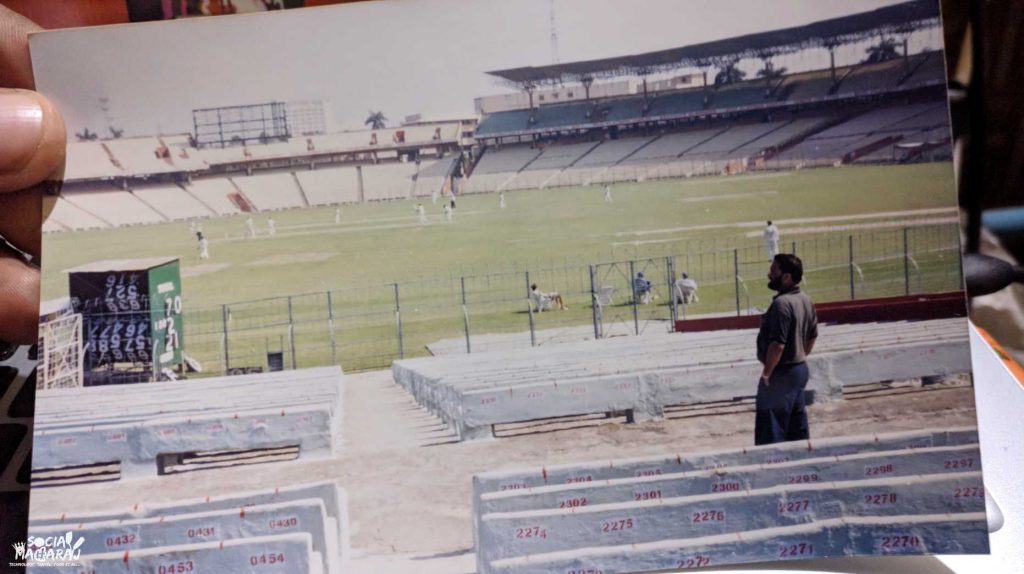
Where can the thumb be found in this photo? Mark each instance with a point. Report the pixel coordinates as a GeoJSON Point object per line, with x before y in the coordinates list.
{"type": "Point", "coordinates": [32, 149]}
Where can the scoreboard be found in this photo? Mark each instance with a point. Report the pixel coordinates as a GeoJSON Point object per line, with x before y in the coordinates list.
{"type": "Point", "coordinates": [131, 315]}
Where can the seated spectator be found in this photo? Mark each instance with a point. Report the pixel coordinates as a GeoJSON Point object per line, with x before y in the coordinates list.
{"type": "Point", "coordinates": [542, 301]}
{"type": "Point", "coordinates": [686, 290]}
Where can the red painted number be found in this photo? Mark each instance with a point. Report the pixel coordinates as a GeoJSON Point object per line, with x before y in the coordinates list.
{"type": "Point", "coordinates": [708, 516]}
{"type": "Point", "coordinates": [969, 492]}
{"type": "Point", "coordinates": [617, 525]}
{"type": "Point", "coordinates": [878, 470]}
{"type": "Point", "coordinates": [647, 495]}
{"type": "Point", "coordinates": [884, 499]}
{"type": "Point", "coordinates": [177, 567]}
{"type": "Point", "coordinates": [532, 532]}
{"type": "Point", "coordinates": [797, 549]}
{"type": "Point", "coordinates": [120, 540]}
{"type": "Point", "coordinates": [793, 506]}
{"type": "Point", "coordinates": [697, 561]}
{"type": "Point", "coordinates": [266, 559]}
{"type": "Point", "coordinates": [573, 502]}
{"type": "Point", "coordinates": [725, 487]}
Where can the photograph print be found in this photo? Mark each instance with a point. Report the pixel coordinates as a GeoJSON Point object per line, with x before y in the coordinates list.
{"type": "Point", "coordinates": [543, 287]}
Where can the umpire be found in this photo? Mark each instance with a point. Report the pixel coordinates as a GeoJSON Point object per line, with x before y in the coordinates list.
{"type": "Point", "coordinates": [788, 331]}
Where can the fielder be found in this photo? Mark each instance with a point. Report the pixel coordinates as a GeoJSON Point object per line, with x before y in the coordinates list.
{"type": "Point", "coordinates": [771, 240]}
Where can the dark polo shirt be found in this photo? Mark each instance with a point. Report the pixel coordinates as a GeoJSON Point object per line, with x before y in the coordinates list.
{"type": "Point", "coordinates": [790, 321]}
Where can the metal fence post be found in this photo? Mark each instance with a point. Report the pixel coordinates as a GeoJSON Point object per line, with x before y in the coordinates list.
{"type": "Point", "coordinates": [224, 335]}
{"type": "Point", "coordinates": [736, 277]}
{"type": "Point", "coordinates": [632, 283]}
{"type": "Point", "coordinates": [398, 324]}
{"type": "Point", "coordinates": [793, 251]}
{"type": "Point", "coordinates": [670, 265]}
{"type": "Point", "coordinates": [529, 310]}
{"type": "Point", "coordinates": [906, 263]}
{"type": "Point", "coordinates": [853, 291]}
{"type": "Point", "coordinates": [595, 306]}
{"type": "Point", "coordinates": [330, 328]}
{"type": "Point", "coordinates": [291, 333]}
{"type": "Point", "coordinates": [465, 314]}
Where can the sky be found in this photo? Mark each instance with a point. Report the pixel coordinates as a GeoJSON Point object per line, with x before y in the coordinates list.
{"type": "Point", "coordinates": [402, 57]}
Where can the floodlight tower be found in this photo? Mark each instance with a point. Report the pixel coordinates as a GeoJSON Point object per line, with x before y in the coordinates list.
{"type": "Point", "coordinates": [554, 33]}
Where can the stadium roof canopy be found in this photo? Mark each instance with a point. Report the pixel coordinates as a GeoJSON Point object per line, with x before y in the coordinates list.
{"type": "Point", "coordinates": [899, 18]}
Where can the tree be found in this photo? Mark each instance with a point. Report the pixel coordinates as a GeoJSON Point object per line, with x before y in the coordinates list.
{"type": "Point", "coordinates": [376, 120]}
{"type": "Point", "coordinates": [882, 51]}
{"type": "Point", "coordinates": [116, 133]}
{"type": "Point", "coordinates": [769, 73]}
{"type": "Point", "coordinates": [86, 136]}
{"type": "Point", "coordinates": [729, 74]}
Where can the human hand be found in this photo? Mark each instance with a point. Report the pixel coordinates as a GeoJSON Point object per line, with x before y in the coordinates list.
{"type": "Point", "coordinates": [32, 148]}
{"type": "Point", "coordinates": [764, 380]}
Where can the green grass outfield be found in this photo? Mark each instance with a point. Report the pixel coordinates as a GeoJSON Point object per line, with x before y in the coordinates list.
{"type": "Point", "coordinates": [553, 233]}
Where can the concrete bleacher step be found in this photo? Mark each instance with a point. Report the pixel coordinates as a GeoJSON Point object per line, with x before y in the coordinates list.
{"type": "Point", "coordinates": [300, 516]}
{"type": "Point", "coordinates": [592, 471]}
{"type": "Point", "coordinates": [175, 426]}
{"type": "Point", "coordinates": [335, 503]}
{"type": "Point", "coordinates": [501, 535]}
{"type": "Point", "coordinates": [652, 484]}
{"type": "Point", "coordinates": [849, 536]}
{"type": "Point", "coordinates": [554, 383]}
{"type": "Point", "coordinates": [278, 554]}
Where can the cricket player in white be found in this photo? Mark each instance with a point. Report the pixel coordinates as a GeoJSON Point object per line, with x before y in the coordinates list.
{"type": "Point", "coordinates": [447, 213]}
{"type": "Point", "coordinates": [337, 215]}
{"type": "Point", "coordinates": [271, 229]}
{"type": "Point", "coordinates": [422, 213]}
{"type": "Point", "coordinates": [771, 240]}
{"type": "Point", "coordinates": [501, 200]}
{"type": "Point", "coordinates": [250, 228]}
{"type": "Point", "coordinates": [607, 194]}
{"type": "Point", "coordinates": [204, 246]}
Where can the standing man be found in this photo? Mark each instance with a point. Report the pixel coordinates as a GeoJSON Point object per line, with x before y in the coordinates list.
{"type": "Point", "coordinates": [271, 228]}
{"type": "Point", "coordinates": [771, 240]}
{"type": "Point", "coordinates": [421, 213]}
{"type": "Point", "coordinates": [788, 331]}
{"type": "Point", "coordinates": [204, 245]}
{"type": "Point", "coordinates": [501, 200]}
{"type": "Point", "coordinates": [448, 213]}
{"type": "Point", "coordinates": [250, 228]}
{"type": "Point", "coordinates": [607, 193]}
{"type": "Point", "coordinates": [337, 215]}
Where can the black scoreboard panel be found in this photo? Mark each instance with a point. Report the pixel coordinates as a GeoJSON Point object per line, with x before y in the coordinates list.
{"type": "Point", "coordinates": [115, 312]}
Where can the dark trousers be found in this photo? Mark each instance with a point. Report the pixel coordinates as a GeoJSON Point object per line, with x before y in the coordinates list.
{"type": "Point", "coordinates": [781, 406]}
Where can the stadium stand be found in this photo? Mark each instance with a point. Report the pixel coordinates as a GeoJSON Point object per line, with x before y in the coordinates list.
{"type": "Point", "coordinates": [692, 100]}
{"type": "Point", "coordinates": [90, 160]}
{"type": "Point", "coordinates": [118, 207]}
{"type": "Point", "coordinates": [672, 145]}
{"type": "Point", "coordinates": [171, 201]}
{"type": "Point", "coordinates": [71, 216]}
{"type": "Point", "coordinates": [497, 166]}
{"type": "Point", "coordinates": [470, 396]}
{"type": "Point", "coordinates": [432, 176]}
{"type": "Point", "coordinates": [806, 86]}
{"type": "Point", "coordinates": [216, 194]}
{"type": "Point", "coordinates": [388, 181]}
{"type": "Point", "coordinates": [143, 156]}
{"type": "Point", "coordinates": [553, 116]}
{"type": "Point", "coordinates": [870, 77]}
{"type": "Point", "coordinates": [567, 508]}
{"type": "Point", "coordinates": [503, 122]}
{"type": "Point", "coordinates": [330, 186]}
{"type": "Point", "coordinates": [750, 93]}
{"type": "Point", "coordinates": [619, 109]}
{"type": "Point", "coordinates": [598, 160]}
{"type": "Point", "coordinates": [722, 145]}
{"type": "Point", "coordinates": [271, 191]}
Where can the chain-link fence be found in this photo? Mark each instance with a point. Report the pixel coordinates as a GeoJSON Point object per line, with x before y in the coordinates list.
{"type": "Point", "coordinates": [368, 327]}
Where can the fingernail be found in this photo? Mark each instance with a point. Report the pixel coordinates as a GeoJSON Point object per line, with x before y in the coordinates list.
{"type": "Point", "coordinates": [21, 128]}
